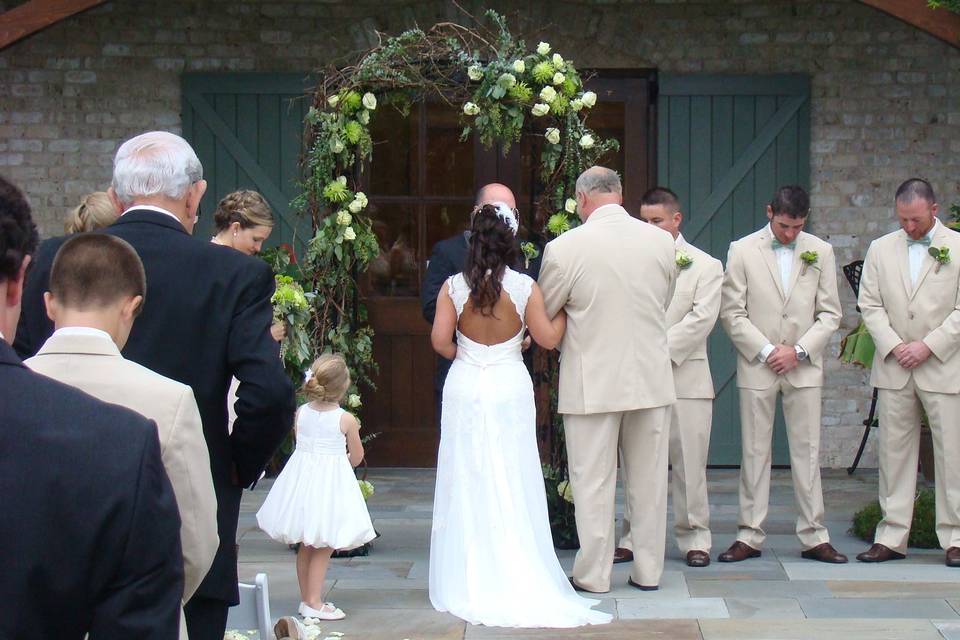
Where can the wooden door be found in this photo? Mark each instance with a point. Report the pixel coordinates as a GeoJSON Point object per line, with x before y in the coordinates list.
{"type": "Point", "coordinates": [724, 144]}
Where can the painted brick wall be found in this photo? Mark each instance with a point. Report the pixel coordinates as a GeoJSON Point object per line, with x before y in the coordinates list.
{"type": "Point", "coordinates": [886, 97]}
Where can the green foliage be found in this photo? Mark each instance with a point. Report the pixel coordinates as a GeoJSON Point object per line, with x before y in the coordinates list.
{"type": "Point", "coordinates": [949, 5]}
{"type": "Point", "coordinates": [923, 534]}
{"type": "Point", "coordinates": [563, 524]}
{"type": "Point", "coordinates": [953, 220]}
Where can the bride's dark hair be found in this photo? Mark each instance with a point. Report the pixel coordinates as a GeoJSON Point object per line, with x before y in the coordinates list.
{"type": "Point", "coordinates": [491, 250]}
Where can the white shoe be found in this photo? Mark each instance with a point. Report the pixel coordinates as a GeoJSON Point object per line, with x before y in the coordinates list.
{"type": "Point", "coordinates": [289, 628]}
{"type": "Point", "coordinates": [327, 612]}
{"type": "Point", "coordinates": [300, 608]}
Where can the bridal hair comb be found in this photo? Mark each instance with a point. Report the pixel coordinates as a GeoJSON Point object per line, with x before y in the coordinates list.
{"type": "Point", "coordinates": [508, 216]}
{"type": "Point", "coordinates": [307, 376]}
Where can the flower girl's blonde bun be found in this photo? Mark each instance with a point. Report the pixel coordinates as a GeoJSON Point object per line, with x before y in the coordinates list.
{"type": "Point", "coordinates": [329, 379]}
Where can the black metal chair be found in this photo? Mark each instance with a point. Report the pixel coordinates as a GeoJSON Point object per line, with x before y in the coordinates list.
{"type": "Point", "coordinates": [852, 273]}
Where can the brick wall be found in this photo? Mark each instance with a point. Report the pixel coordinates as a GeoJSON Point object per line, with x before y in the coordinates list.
{"type": "Point", "coordinates": [886, 97]}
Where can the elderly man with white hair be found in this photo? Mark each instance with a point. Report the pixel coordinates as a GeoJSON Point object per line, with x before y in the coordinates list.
{"type": "Point", "coordinates": [206, 318]}
{"type": "Point", "coordinates": [614, 275]}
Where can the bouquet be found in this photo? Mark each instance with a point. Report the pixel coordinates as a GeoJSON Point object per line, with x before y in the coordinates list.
{"type": "Point", "coordinates": [291, 305]}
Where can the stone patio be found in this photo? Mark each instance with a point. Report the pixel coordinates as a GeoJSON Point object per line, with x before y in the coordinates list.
{"type": "Point", "coordinates": [776, 596]}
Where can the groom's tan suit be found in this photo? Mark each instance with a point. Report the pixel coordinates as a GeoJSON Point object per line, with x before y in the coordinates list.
{"type": "Point", "coordinates": [92, 363]}
{"type": "Point", "coordinates": [757, 310]}
{"type": "Point", "coordinates": [614, 275]}
{"type": "Point", "coordinates": [898, 308]}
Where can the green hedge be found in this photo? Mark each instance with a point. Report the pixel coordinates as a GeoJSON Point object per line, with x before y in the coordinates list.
{"type": "Point", "coordinates": [923, 532]}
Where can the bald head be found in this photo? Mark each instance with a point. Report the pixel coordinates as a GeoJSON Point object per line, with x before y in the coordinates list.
{"type": "Point", "coordinates": [495, 192]}
{"type": "Point", "coordinates": [596, 187]}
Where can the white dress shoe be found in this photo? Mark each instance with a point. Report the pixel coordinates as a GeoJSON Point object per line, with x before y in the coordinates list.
{"type": "Point", "coordinates": [327, 612]}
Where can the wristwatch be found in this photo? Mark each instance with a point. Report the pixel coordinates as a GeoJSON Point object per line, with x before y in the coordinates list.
{"type": "Point", "coordinates": [801, 354]}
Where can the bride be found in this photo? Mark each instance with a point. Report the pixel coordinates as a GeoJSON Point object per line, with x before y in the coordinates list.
{"type": "Point", "coordinates": [491, 553]}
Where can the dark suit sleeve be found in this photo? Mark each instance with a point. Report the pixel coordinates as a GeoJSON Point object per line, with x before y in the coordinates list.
{"type": "Point", "coordinates": [438, 270]}
{"type": "Point", "coordinates": [265, 400]}
{"type": "Point", "coordinates": [143, 600]}
{"type": "Point", "coordinates": [35, 327]}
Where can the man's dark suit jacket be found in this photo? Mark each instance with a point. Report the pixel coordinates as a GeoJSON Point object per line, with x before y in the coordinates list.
{"type": "Point", "coordinates": [90, 533]}
{"type": "Point", "coordinates": [448, 258]}
{"type": "Point", "coordinates": [206, 318]}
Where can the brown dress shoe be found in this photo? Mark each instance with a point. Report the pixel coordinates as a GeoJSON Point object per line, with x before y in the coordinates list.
{"type": "Point", "coordinates": [953, 557]}
{"type": "Point", "coordinates": [642, 587]}
{"type": "Point", "coordinates": [697, 558]}
{"type": "Point", "coordinates": [622, 555]}
{"type": "Point", "coordinates": [879, 553]}
{"type": "Point", "coordinates": [824, 553]}
{"type": "Point", "coordinates": [738, 552]}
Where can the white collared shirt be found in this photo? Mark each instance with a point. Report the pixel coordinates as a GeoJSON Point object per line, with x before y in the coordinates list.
{"type": "Point", "coordinates": [82, 331]}
{"type": "Point", "coordinates": [917, 252]}
{"type": "Point", "coordinates": [785, 260]}
{"type": "Point", "coordinates": [150, 207]}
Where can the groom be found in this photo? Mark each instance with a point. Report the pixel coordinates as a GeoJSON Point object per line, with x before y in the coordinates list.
{"type": "Point", "coordinates": [614, 275]}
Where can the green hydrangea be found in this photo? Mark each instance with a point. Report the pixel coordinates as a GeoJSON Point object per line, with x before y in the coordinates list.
{"type": "Point", "coordinates": [336, 190]}
{"type": "Point", "coordinates": [350, 101]}
{"type": "Point", "coordinates": [558, 223]}
{"type": "Point", "coordinates": [352, 131]}
{"type": "Point", "coordinates": [569, 87]}
{"type": "Point", "coordinates": [543, 72]}
{"type": "Point", "coordinates": [559, 105]}
{"type": "Point", "coordinates": [366, 488]}
{"type": "Point", "coordinates": [521, 92]}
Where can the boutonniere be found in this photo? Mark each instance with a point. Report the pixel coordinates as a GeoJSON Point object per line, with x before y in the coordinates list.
{"type": "Point", "coordinates": [530, 252]}
{"type": "Point", "coordinates": [683, 260]}
{"type": "Point", "coordinates": [809, 260]}
{"type": "Point", "coordinates": [941, 255]}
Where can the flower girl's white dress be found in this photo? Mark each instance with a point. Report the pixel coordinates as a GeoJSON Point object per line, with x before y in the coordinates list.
{"type": "Point", "coordinates": [492, 560]}
{"type": "Point", "coordinates": [316, 499]}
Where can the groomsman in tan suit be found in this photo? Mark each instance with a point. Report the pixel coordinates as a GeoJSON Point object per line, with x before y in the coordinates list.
{"type": "Point", "coordinates": [910, 301]}
{"type": "Point", "coordinates": [614, 276]}
{"type": "Point", "coordinates": [780, 307]}
{"type": "Point", "coordinates": [97, 287]}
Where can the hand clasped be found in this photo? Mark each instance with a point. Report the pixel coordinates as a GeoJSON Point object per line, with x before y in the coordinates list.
{"type": "Point", "coordinates": [782, 359]}
{"type": "Point", "coordinates": [911, 354]}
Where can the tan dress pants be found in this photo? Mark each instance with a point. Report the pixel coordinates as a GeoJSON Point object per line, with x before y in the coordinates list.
{"type": "Point", "coordinates": [592, 445]}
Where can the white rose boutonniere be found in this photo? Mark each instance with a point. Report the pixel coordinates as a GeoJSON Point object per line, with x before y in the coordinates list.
{"type": "Point", "coordinates": [683, 260]}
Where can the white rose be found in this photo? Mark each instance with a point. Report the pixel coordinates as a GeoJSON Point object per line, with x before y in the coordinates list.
{"type": "Point", "coordinates": [369, 101]}
{"type": "Point", "coordinates": [548, 94]}
{"type": "Point", "coordinates": [558, 61]}
{"type": "Point", "coordinates": [543, 48]}
{"type": "Point", "coordinates": [474, 72]}
{"type": "Point", "coordinates": [558, 78]}
{"type": "Point", "coordinates": [589, 99]}
{"type": "Point", "coordinates": [471, 109]}
{"type": "Point", "coordinates": [540, 109]}
{"type": "Point", "coordinates": [336, 145]}
{"type": "Point", "coordinates": [507, 80]}
{"type": "Point", "coordinates": [364, 117]}
{"type": "Point", "coordinates": [353, 400]}
{"type": "Point", "coordinates": [355, 207]}
{"type": "Point", "coordinates": [576, 104]}
{"type": "Point", "coordinates": [361, 197]}
{"type": "Point", "coordinates": [586, 141]}
{"type": "Point", "coordinates": [342, 180]}
{"type": "Point", "coordinates": [552, 135]}
{"type": "Point", "coordinates": [349, 234]}
{"type": "Point", "coordinates": [344, 218]}
{"type": "Point", "coordinates": [519, 66]}
{"type": "Point", "coordinates": [570, 206]}
{"type": "Point", "coordinates": [333, 100]}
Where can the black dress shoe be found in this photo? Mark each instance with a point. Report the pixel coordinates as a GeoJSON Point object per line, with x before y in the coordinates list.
{"type": "Point", "coordinates": [577, 587]}
{"type": "Point", "coordinates": [621, 554]}
{"type": "Point", "coordinates": [953, 557]}
{"type": "Point", "coordinates": [879, 553]}
{"type": "Point", "coordinates": [696, 558]}
{"type": "Point", "coordinates": [824, 553]}
{"type": "Point", "coordinates": [738, 552]}
{"type": "Point", "coordinates": [642, 587]}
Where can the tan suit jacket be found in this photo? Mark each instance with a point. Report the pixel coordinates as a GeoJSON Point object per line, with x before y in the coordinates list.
{"type": "Point", "coordinates": [93, 364]}
{"type": "Point", "coordinates": [690, 317]}
{"type": "Point", "coordinates": [755, 311]}
{"type": "Point", "coordinates": [615, 276]}
{"type": "Point", "coordinates": [895, 311]}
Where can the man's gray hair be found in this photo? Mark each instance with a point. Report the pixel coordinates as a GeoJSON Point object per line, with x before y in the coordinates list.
{"type": "Point", "coordinates": [599, 179]}
{"type": "Point", "coordinates": [155, 163]}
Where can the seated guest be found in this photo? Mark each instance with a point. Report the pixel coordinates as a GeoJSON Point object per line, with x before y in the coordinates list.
{"type": "Point", "coordinates": [97, 287]}
{"type": "Point", "coordinates": [90, 523]}
{"type": "Point", "coordinates": [95, 211]}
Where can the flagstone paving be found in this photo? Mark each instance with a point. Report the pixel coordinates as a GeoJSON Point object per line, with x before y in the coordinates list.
{"type": "Point", "coordinates": [778, 595]}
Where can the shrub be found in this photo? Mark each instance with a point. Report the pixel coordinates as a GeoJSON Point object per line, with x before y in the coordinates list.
{"type": "Point", "coordinates": [923, 533]}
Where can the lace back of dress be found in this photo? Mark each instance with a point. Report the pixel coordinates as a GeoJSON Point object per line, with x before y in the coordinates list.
{"type": "Point", "coordinates": [515, 285]}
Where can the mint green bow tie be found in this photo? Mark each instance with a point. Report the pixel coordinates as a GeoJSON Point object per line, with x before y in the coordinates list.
{"type": "Point", "coordinates": [776, 244]}
{"type": "Point", "coordinates": [925, 241]}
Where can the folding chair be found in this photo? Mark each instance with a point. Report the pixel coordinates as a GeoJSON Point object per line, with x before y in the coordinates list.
{"type": "Point", "coordinates": [253, 612]}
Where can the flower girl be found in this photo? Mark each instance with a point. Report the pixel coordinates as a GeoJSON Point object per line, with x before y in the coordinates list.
{"type": "Point", "coordinates": [316, 500]}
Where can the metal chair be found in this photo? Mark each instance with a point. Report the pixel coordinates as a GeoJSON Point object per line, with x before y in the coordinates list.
{"type": "Point", "coordinates": [852, 273]}
{"type": "Point", "coordinates": [253, 612]}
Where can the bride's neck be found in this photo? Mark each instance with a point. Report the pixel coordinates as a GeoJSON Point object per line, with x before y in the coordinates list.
{"type": "Point", "coordinates": [222, 238]}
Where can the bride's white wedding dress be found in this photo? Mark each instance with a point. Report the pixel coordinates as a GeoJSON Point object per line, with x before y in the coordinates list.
{"type": "Point", "coordinates": [492, 560]}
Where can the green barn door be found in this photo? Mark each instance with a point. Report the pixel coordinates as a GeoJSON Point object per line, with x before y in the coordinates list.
{"type": "Point", "coordinates": [247, 129]}
{"type": "Point", "coordinates": [724, 144]}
